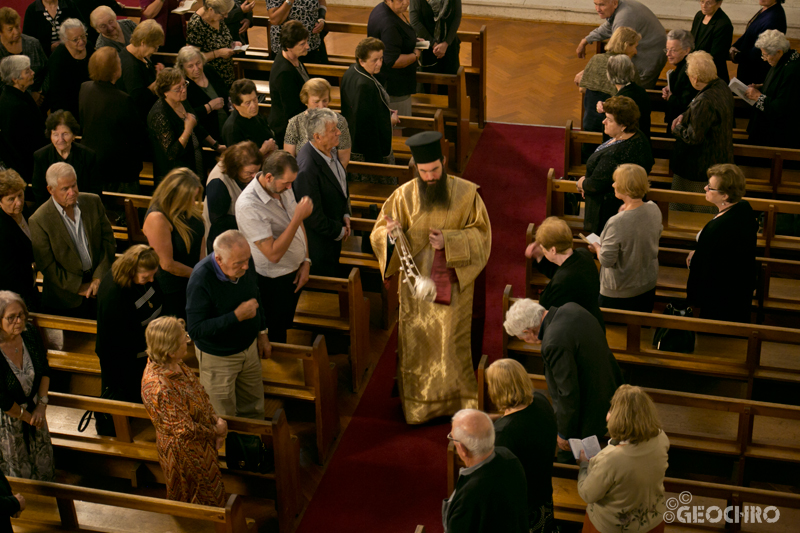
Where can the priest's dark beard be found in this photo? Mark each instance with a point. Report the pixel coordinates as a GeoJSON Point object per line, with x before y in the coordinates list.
{"type": "Point", "coordinates": [435, 194]}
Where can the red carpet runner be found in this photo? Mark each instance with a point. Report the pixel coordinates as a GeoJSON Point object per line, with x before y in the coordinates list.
{"type": "Point", "coordinates": [386, 476]}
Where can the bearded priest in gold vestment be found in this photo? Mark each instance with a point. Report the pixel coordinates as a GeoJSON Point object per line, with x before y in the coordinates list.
{"type": "Point", "coordinates": [447, 228]}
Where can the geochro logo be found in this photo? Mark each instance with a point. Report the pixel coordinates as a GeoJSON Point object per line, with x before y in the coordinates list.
{"type": "Point", "coordinates": [679, 510]}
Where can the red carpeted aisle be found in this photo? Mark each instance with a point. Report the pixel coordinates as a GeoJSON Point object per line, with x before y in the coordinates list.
{"type": "Point", "coordinates": [387, 476]}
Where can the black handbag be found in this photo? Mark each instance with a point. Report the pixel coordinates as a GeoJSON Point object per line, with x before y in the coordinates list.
{"type": "Point", "coordinates": [674, 340]}
{"type": "Point", "coordinates": [103, 422]}
{"type": "Point", "coordinates": [247, 452]}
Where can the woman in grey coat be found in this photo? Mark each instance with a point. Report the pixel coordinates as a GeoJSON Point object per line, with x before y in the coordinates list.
{"type": "Point", "coordinates": [704, 133]}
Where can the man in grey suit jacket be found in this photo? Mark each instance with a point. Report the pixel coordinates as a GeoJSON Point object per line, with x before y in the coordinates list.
{"type": "Point", "coordinates": [73, 245]}
{"type": "Point", "coordinates": [651, 57]}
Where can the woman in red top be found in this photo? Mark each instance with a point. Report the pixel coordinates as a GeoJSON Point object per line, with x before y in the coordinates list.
{"type": "Point", "coordinates": [188, 432]}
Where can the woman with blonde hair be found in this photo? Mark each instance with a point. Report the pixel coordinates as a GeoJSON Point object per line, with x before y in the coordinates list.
{"type": "Point", "coordinates": [624, 483]}
{"type": "Point", "coordinates": [127, 301]}
{"type": "Point", "coordinates": [188, 432]}
{"type": "Point", "coordinates": [573, 274]}
{"type": "Point", "coordinates": [703, 133]}
{"type": "Point", "coordinates": [628, 249]}
{"type": "Point", "coordinates": [594, 83]}
{"type": "Point", "coordinates": [174, 228]}
{"type": "Point", "coordinates": [527, 427]}
{"type": "Point", "coordinates": [316, 94]}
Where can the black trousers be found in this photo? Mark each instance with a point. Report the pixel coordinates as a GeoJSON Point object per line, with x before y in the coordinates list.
{"type": "Point", "coordinates": [642, 303]}
{"type": "Point", "coordinates": [279, 302]}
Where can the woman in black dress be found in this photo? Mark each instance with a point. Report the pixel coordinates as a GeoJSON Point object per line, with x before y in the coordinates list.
{"type": "Point", "coordinates": [174, 228]}
{"type": "Point", "coordinates": [388, 22]}
{"type": "Point", "coordinates": [365, 106]}
{"type": "Point", "coordinates": [627, 145]}
{"type": "Point", "coordinates": [776, 112]}
{"type": "Point", "coordinates": [207, 93]}
{"type": "Point", "coordinates": [68, 68]}
{"type": "Point", "coordinates": [128, 299]}
{"type": "Point", "coordinates": [21, 121]}
{"type": "Point", "coordinates": [172, 126]}
{"type": "Point", "coordinates": [722, 269]}
{"type": "Point", "coordinates": [61, 127]}
{"type": "Point", "coordinates": [713, 33]}
{"type": "Point", "coordinates": [527, 427]}
{"type": "Point", "coordinates": [744, 51]}
{"type": "Point", "coordinates": [138, 72]}
{"type": "Point", "coordinates": [286, 79]}
{"type": "Point", "coordinates": [16, 269]}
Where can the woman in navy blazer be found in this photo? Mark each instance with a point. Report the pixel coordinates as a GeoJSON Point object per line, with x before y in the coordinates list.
{"type": "Point", "coordinates": [713, 33]}
{"type": "Point", "coordinates": [752, 69]}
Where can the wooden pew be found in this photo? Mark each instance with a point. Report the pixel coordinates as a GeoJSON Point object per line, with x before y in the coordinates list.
{"type": "Point", "coordinates": [732, 358]}
{"type": "Point", "coordinates": [682, 227]}
{"type": "Point", "coordinates": [351, 317]}
{"type": "Point", "coordinates": [298, 373]}
{"type": "Point", "coordinates": [570, 507]}
{"type": "Point", "coordinates": [229, 519]}
{"type": "Point", "coordinates": [770, 178]}
{"type": "Point", "coordinates": [777, 286]}
{"type": "Point", "coordinates": [688, 419]}
{"type": "Point", "coordinates": [129, 453]}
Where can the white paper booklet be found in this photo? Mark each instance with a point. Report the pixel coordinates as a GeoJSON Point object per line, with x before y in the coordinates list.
{"type": "Point", "coordinates": [590, 445]}
{"type": "Point", "coordinates": [740, 90]}
{"type": "Point", "coordinates": [591, 239]}
{"type": "Point", "coordinates": [187, 5]}
{"type": "Point", "coordinates": [669, 79]}
{"type": "Point", "coordinates": [422, 45]}
{"type": "Point", "coordinates": [241, 48]}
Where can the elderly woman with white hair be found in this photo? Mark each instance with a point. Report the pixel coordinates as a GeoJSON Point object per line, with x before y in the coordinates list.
{"type": "Point", "coordinates": [490, 493]}
{"type": "Point", "coordinates": [679, 91]}
{"type": "Point", "coordinates": [21, 121]}
{"type": "Point", "coordinates": [207, 31]}
{"type": "Point", "coordinates": [207, 92]}
{"type": "Point", "coordinates": [68, 68]}
{"type": "Point", "coordinates": [14, 42]}
{"type": "Point", "coordinates": [776, 111]}
{"type": "Point", "coordinates": [113, 32]}
{"type": "Point", "coordinates": [24, 439]}
{"type": "Point", "coordinates": [622, 74]}
{"type": "Point", "coordinates": [704, 133]}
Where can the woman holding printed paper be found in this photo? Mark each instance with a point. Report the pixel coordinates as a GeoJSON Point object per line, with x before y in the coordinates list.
{"type": "Point", "coordinates": [776, 112]}
{"type": "Point", "coordinates": [628, 249]}
{"type": "Point", "coordinates": [208, 33]}
{"type": "Point", "coordinates": [624, 483]}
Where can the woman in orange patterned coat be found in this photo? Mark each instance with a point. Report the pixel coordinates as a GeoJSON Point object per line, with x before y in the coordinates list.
{"type": "Point", "coordinates": [188, 432]}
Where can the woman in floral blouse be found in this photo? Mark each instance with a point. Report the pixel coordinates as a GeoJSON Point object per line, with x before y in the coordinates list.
{"type": "Point", "coordinates": [311, 14]}
{"type": "Point", "coordinates": [208, 32]}
{"type": "Point", "coordinates": [188, 432]}
{"type": "Point", "coordinates": [624, 483]}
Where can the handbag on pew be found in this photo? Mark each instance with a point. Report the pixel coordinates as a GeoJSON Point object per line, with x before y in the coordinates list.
{"type": "Point", "coordinates": [674, 340]}
{"type": "Point", "coordinates": [247, 452]}
{"type": "Point", "coordinates": [103, 422]}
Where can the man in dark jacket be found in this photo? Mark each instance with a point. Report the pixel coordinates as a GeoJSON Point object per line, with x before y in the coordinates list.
{"type": "Point", "coordinates": [324, 180]}
{"type": "Point", "coordinates": [581, 372]}
{"type": "Point", "coordinates": [228, 327]}
{"type": "Point", "coordinates": [491, 493]}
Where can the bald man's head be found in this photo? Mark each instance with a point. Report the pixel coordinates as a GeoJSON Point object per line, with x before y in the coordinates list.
{"type": "Point", "coordinates": [474, 431]}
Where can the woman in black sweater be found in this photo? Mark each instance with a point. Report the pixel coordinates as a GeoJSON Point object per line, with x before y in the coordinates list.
{"type": "Point", "coordinates": [527, 427]}
{"type": "Point", "coordinates": [68, 68]}
{"type": "Point", "coordinates": [722, 269]}
{"type": "Point", "coordinates": [127, 301]}
{"type": "Point", "coordinates": [207, 93]}
{"type": "Point", "coordinates": [713, 33]}
{"type": "Point", "coordinates": [286, 79]}
{"type": "Point", "coordinates": [16, 269]}
{"type": "Point", "coordinates": [573, 273]}
{"type": "Point", "coordinates": [43, 21]}
{"type": "Point", "coordinates": [627, 145]}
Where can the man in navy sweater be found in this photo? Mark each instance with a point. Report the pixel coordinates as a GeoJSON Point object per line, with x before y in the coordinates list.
{"type": "Point", "coordinates": [228, 327]}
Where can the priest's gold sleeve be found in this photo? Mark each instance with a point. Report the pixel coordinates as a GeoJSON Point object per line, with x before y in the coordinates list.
{"type": "Point", "coordinates": [467, 250]}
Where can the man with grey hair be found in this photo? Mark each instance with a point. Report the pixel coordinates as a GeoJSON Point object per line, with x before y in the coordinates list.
{"type": "Point", "coordinates": [581, 372]}
{"type": "Point", "coordinates": [679, 91]}
{"type": "Point", "coordinates": [73, 245]}
{"type": "Point", "coordinates": [491, 493]}
{"type": "Point", "coordinates": [228, 327]}
{"type": "Point", "coordinates": [650, 58]}
{"type": "Point", "coordinates": [21, 120]}
{"type": "Point", "coordinates": [323, 179]}
{"type": "Point", "coordinates": [112, 32]}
